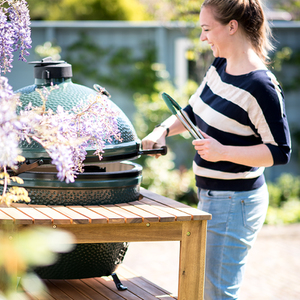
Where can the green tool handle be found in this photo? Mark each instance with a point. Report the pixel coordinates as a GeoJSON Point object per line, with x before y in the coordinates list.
{"type": "Point", "coordinates": [182, 116]}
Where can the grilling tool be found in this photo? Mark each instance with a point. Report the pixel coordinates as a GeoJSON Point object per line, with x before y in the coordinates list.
{"type": "Point", "coordinates": [182, 116]}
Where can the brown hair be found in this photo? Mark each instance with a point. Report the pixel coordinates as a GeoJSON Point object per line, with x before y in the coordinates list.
{"type": "Point", "coordinates": [250, 15]}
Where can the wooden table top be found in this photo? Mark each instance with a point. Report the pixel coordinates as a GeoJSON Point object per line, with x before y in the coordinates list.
{"type": "Point", "coordinates": [150, 207]}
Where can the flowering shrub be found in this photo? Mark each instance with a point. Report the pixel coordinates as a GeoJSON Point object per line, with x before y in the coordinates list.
{"type": "Point", "coordinates": [15, 32]}
{"type": "Point", "coordinates": [26, 249]}
{"type": "Point", "coordinates": [63, 134]}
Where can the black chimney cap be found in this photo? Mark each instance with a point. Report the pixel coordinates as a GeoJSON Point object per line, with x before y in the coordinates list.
{"type": "Point", "coordinates": [49, 69]}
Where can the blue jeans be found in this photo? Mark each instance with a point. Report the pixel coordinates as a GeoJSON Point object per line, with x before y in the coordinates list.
{"type": "Point", "coordinates": [236, 219]}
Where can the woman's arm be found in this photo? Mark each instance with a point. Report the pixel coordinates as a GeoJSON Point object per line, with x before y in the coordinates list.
{"type": "Point", "coordinates": [252, 156]}
{"type": "Point", "coordinates": [157, 137]}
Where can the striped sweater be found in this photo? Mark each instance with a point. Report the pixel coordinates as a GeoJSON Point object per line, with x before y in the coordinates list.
{"type": "Point", "coordinates": [239, 110]}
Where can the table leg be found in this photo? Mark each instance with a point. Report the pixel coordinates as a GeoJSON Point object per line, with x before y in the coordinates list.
{"type": "Point", "coordinates": [192, 260]}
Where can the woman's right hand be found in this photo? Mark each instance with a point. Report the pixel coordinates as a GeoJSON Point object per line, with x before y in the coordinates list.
{"type": "Point", "coordinates": [155, 139]}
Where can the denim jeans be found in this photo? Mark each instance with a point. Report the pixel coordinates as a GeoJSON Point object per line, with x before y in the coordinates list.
{"type": "Point", "coordinates": [236, 219]}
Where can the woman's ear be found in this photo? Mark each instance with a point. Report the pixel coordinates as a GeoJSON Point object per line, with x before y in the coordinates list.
{"type": "Point", "coordinates": [233, 26]}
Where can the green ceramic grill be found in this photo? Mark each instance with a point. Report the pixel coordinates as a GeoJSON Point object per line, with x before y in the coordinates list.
{"type": "Point", "coordinates": [115, 179]}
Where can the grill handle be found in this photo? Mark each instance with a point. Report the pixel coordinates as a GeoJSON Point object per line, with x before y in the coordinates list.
{"type": "Point", "coordinates": [163, 151]}
{"type": "Point", "coordinates": [28, 166]}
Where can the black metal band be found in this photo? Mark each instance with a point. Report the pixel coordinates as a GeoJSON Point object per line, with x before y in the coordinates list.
{"type": "Point", "coordinates": [164, 126]}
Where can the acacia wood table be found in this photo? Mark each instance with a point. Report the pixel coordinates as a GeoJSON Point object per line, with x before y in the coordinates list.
{"type": "Point", "coordinates": [151, 218]}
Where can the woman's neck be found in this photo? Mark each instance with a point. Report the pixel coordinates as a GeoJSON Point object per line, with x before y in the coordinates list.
{"type": "Point", "coordinates": [243, 61]}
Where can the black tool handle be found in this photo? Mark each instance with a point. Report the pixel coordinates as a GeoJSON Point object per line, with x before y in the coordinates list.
{"type": "Point", "coordinates": [163, 151]}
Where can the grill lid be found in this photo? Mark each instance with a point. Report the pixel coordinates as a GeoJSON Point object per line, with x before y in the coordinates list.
{"type": "Point", "coordinates": [68, 95]}
{"type": "Point", "coordinates": [48, 72]}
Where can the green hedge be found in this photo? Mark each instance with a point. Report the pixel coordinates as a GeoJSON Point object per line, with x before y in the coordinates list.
{"type": "Point", "coordinates": [284, 205]}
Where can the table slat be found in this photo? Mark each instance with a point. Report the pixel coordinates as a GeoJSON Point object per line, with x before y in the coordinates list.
{"type": "Point", "coordinates": [56, 293]}
{"type": "Point", "coordinates": [5, 219]}
{"type": "Point", "coordinates": [93, 216]}
{"type": "Point", "coordinates": [75, 217]}
{"type": "Point", "coordinates": [163, 216]}
{"type": "Point", "coordinates": [136, 290]}
{"type": "Point", "coordinates": [146, 216]}
{"type": "Point", "coordinates": [194, 212]}
{"type": "Point", "coordinates": [127, 274]}
{"type": "Point", "coordinates": [18, 216]}
{"type": "Point", "coordinates": [107, 292]}
{"type": "Point", "coordinates": [68, 289]}
{"type": "Point", "coordinates": [30, 297]}
{"type": "Point", "coordinates": [127, 294]}
{"type": "Point", "coordinates": [179, 215]}
{"type": "Point", "coordinates": [129, 217]}
{"type": "Point", "coordinates": [38, 217]}
{"type": "Point", "coordinates": [86, 290]}
{"type": "Point", "coordinates": [112, 218]}
{"type": "Point", "coordinates": [57, 218]}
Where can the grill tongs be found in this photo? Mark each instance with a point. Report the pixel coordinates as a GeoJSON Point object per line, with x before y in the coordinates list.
{"type": "Point", "coordinates": [182, 116]}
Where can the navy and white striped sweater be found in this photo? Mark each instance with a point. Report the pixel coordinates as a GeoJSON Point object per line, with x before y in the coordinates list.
{"type": "Point", "coordinates": [240, 110]}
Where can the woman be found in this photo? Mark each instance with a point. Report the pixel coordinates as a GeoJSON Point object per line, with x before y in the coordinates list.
{"type": "Point", "coordinates": [239, 108]}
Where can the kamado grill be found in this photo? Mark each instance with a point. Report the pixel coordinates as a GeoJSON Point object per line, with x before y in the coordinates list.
{"type": "Point", "coordinates": [112, 180]}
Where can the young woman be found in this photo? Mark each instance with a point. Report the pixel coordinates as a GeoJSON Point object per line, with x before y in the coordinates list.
{"type": "Point", "coordinates": [239, 108]}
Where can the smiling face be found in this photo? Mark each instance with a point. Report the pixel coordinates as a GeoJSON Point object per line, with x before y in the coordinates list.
{"type": "Point", "coordinates": [213, 32]}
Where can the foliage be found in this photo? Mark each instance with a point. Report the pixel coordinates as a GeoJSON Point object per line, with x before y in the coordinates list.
{"type": "Point", "coordinates": [14, 32]}
{"type": "Point", "coordinates": [284, 198]}
{"type": "Point", "coordinates": [15, 36]}
{"type": "Point", "coordinates": [130, 10]}
{"type": "Point", "coordinates": [174, 10]}
{"type": "Point", "coordinates": [162, 175]}
{"type": "Point", "coordinates": [290, 80]}
{"type": "Point", "coordinates": [48, 50]}
{"type": "Point", "coordinates": [280, 57]}
{"type": "Point", "coordinates": [25, 250]}
{"type": "Point", "coordinates": [287, 214]}
{"type": "Point", "coordinates": [289, 59]}
{"type": "Point", "coordinates": [200, 58]}
{"type": "Point", "coordinates": [285, 188]}
{"type": "Point", "coordinates": [291, 6]}
{"type": "Point", "coordinates": [14, 193]}
{"type": "Point", "coordinates": [120, 67]}
{"type": "Point", "coordinates": [187, 11]}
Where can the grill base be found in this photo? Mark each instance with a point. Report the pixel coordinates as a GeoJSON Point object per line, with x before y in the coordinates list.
{"type": "Point", "coordinates": [83, 196]}
{"type": "Point", "coordinates": [86, 261]}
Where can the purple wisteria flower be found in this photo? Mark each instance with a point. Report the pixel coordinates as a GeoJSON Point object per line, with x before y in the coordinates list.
{"type": "Point", "coordinates": [96, 119]}
{"type": "Point", "coordinates": [15, 33]}
{"type": "Point", "coordinates": [10, 125]}
{"type": "Point", "coordinates": [66, 135]}
{"type": "Point", "coordinates": [63, 134]}
{"type": "Point", "coordinates": [6, 44]}
{"type": "Point", "coordinates": [90, 125]}
{"type": "Point", "coordinates": [20, 21]}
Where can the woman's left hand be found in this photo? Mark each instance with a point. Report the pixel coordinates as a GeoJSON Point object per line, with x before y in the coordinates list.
{"type": "Point", "coordinates": [209, 148]}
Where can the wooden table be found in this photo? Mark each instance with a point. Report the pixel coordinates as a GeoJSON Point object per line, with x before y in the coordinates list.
{"type": "Point", "coordinates": [151, 218]}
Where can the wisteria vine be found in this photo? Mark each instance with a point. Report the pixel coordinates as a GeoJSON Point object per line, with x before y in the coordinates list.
{"type": "Point", "coordinates": [65, 135]}
{"type": "Point", "coordinates": [15, 33]}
